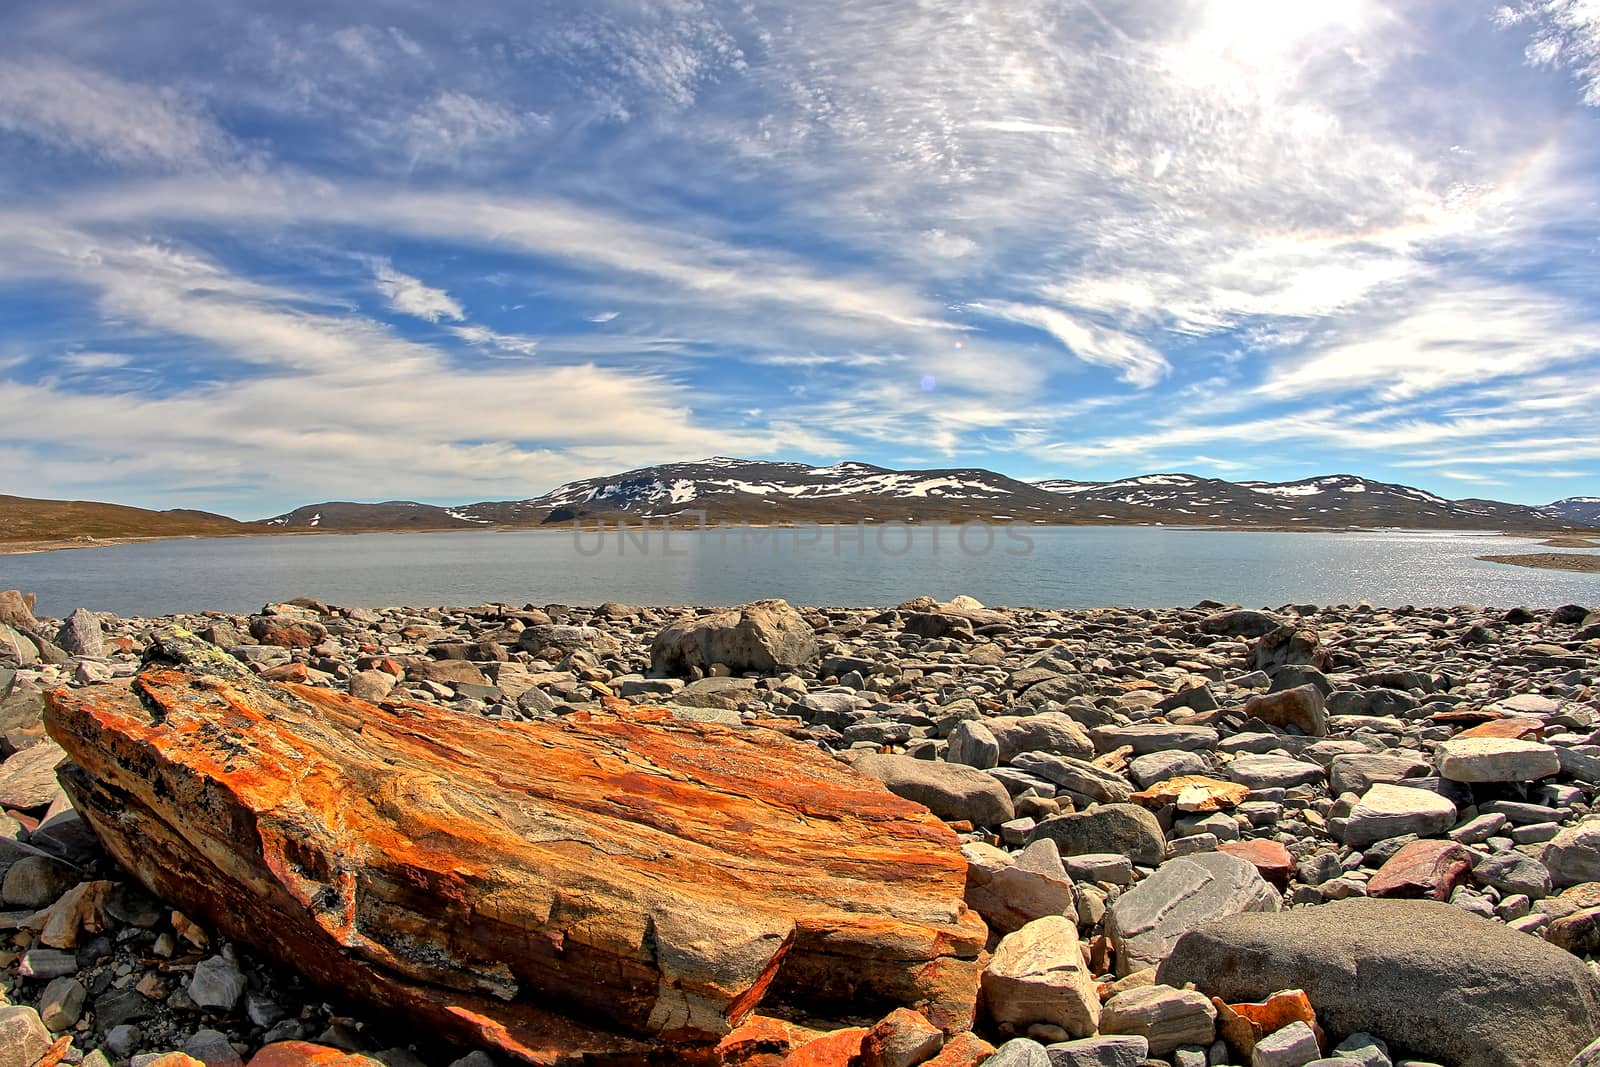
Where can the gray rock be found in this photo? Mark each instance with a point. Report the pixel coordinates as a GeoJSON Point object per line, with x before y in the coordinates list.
{"type": "Point", "coordinates": [1121, 828]}
{"type": "Point", "coordinates": [1121, 1050]}
{"type": "Point", "coordinates": [1146, 922]}
{"type": "Point", "coordinates": [23, 1038]}
{"type": "Point", "coordinates": [1165, 1017]}
{"type": "Point", "coordinates": [949, 790]}
{"type": "Point", "coordinates": [1514, 872]}
{"type": "Point", "coordinates": [1008, 894]}
{"type": "Point", "coordinates": [1293, 1046]}
{"type": "Point", "coordinates": [82, 635]}
{"type": "Point", "coordinates": [571, 639]}
{"type": "Point", "coordinates": [372, 686]}
{"type": "Point", "coordinates": [1573, 856]}
{"type": "Point", "coordinates": [1381, 702]}
{"type": "Point", "coordinates": [1302, 708]}
{"type": "Point", "coordinates": [43, 964]}
{"type": "Point", "coordinates": [28, 779]}
{"type": "Point", "coordinates": [212, 1048]}
{"type": "Point", "coordinates": [8, 680]}
{"type": "Point", "coordinates": [765, 637]}
{"type": "Point", "coordinates": [1019, 1052]}
{"type": "Point", "coordinates": [1038, 975]}
{"type": "Point", "coordinates": [1050, 732]}
{"type": "Point", "coordinates": [16, 649]}
{"type": "Point", "coordinates": [122, 1039]}
{"type": "Point", "coordinates": [1428, 977]}
{"type": "Point", "coordinates": [1080, 776]}
{"type": "Point", "coordinates": [1495, 759]}
{"type": "Point", "coordinates": [1240, 622]}
{"type": "Point", "coordinates": [1392, 810]}
{"type": "Point", "coordinates": [36, 882]}
{"type": "Point", "coordinates": [1362, 1050]}
{"type": "Point", "coordinates": [216, 983]}
{"type": "Point", "coordinates": [972, 744]}
{"type": "Point", "coordinates": [61, 1003]}
{"type": "Point", "coordinates": [1358, 772]}
{"type": "Point", "coordinates": [1147, 770]}
{"type": "Point", "coordinates": [1146, 738]}
{"type": "Point", "coordinates": [1272, 772]}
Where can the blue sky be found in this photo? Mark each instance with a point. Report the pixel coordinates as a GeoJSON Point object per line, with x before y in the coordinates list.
{"type": "Point", "coordinates": [258, 255]}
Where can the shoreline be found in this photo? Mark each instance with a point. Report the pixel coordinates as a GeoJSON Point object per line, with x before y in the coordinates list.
{"type": "Point", "coordinates": [1548, 561]}
{"type": "Point", "coordinates": [40, 546]}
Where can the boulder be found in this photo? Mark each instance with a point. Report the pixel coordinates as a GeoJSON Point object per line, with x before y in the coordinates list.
{"type": "Point", "coordinates": [82, 635]}
{"type": "Point", "coordinates": [1423, 869]}
{"type": "Point", "coordinates": [28, 779]}
{"type": "Point", "coordinates": [1302, 708]}
{"type": "Point", "coordinates": [1079, 776]}
{"type": "Point", "coordinates": [1011, 891]}
{"type": "Point", "coordinates": [951, 791]}
{"type": "Point", "coordinates": [765, 637]}
{"type": "Point", "coordinates": [591, 886]}
{"type": "Point", "coordinates": [15, 647]}
{"type": "Point", "coordinates": [1114, 1050]}
{"type": "Point", "coordinates": [1147, 920]}
{"type": "Point", "coordinates": [1240, 622]}
{"type": "Point", "coordinates": [1038, 975]}
{"type": "Point", "coordinates": [1287, 645]}
{"type": "Point", "coordinates": [1167, 1018]}
{"type": "Point", "coordinates": [1393, 811]}
{"type": "Point", "coordinates": [1573, 856]}
{"type": "Point", "coordinates": [1495, 759]}
{"type": "Point", "coordinates": [1050, 732]}
{"type": "Point", "coordinates": [565, 639]}
{"type": "Point", "coordinates": [1430, 978]}
{"type": "Point", "coordinates": [974, 745]}
{"type": "Point", "coordinates": [1121, 828]}
{"type": "Point", "coordinates": [16, 609]}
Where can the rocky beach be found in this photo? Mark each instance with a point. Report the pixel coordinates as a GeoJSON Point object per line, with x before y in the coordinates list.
{"type": "Point", "coordinates": [941, 834]}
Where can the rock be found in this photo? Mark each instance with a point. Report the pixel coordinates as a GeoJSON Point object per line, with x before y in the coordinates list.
{"type": "Point", "coordinates": [1121, 828]}
{"type": "Point", "coordinates": [949, 790]}
{"type": "Point", "coordinates": [1356, 772]}
{"type": "Point", "coordinates": [1423, 869]}
{"type": "Point", "coordinates": [1240, 622]}
{"type": "Point", "coordinates": [82, 635]}
{"type": "Point", "coordinates": [1287, 645]}
{"type": "Point", "coordinates": [1495, 759]}
{"type": "Point", "coordinates": [1019, 1052]}
{"type": "Point", "coordinates": [1049, 732]}
{"type": "Point", "coordinates": [23, 1038]}
{"type": "Point", "coordinates": [766, 637]}
{"type": "Point", "coordinates": [1293, 1046]}
{"type": "Point", "coordinates": [1573, 856]}
{"type": "Point", "coordinates": [1270, 859]}
{"type": "Point", "coordinates": [372, 686]}
{"type": "Point", "coordinates": [16, 609]}
{"type": "Point", "coordinates": [1163, 1016]}
{"type": "Point", "coordinates": [1157, 767]}
{"type": "Point", "coordinates": [1147, 920]}
{"type": "Point", "coordinates": [1010, 895]}
{"type": "Point", "coordinates": [1392, 811]}
{"type": "Point", "coordinates": [568, 639]}
{"type": "Point", "coordinates": [1079, 776]}
{"type": "Point", "coordinates": [1302, 708]}
{"type": "Point", "coordinates": [16, 649]}
{"type": "Point", "coordinates": [1426, 976]}
{"type": "Point", "coordinates": [305, 1054]}
{"type": "Point", "coordinates": [211, 1047]}
{"type": "Point", "coordinates": [902, 1039]}
{"type": "Point", "coordinates": [35, 881]}
{"type": "Point", "coordinates": [963, 1050]}
{"type": "Point", "coordinates": [61, 1003]}
{"type": "Point", "coordinates": [28, 779]}
{"type": "Point", "coordinates": [1242, 1025]}
{"type": "Point", "coordinates": [972, 744]}
{"type": "Point", "coordinates": [652, 876]}
{"type": "Point", "coordinates": [1192, 794]}
{"type": "Point", "coordinates": [1038, 975]}
{"type": "Point", "coordinates": [1121, 1050]}
{"type": "Point", "coordinates": [1514, 872]}
{"type": "Point", "coordinates": [216, 983]}
{"type": "Point", "coordinates": [288, 631]}
{"type": "Point", "coordinates": [1273, 772]}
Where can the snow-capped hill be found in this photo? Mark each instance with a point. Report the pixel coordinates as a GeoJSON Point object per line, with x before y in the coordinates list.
{"type": "Point", "coordinates": [389, 515]}
{"type": "Point", "coordinates": [1583, 510]}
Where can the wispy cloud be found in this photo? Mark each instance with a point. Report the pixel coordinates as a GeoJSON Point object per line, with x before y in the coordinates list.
{"type": "Point", "coordinates": [410, 296]}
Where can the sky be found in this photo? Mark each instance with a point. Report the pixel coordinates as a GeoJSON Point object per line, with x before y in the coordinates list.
{"type": "Point", "coordinates": [259, 255]}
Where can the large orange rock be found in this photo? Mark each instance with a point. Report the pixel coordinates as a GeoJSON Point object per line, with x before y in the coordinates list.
{"type": "Point", "coordinates": [605, 885]}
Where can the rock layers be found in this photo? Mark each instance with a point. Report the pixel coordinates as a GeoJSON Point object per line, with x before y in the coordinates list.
{"type": "Point", "coordinates": [596, 885]}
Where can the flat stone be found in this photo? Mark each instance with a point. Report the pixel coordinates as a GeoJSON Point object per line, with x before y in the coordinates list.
{"type": "Point", "coordinates": [1165, 1017]}
{"type": "Point", "coordinates": [1514, 872]}
{"type": "Point", "coordinates": [1193, 794]}
{"type": "Point", "coordinates": [1573, 855]}
{"type": "Point", "coordinates": [1273, 772]}
{"type": "Point", "coordinates": [949, 790]}
{"type": "Point", "coordinates": [1120, 1050]}
{"type": "Point", "coordinates": [1120, 828]}
{"type": "Point", "coordinates": [1038, 975]}
{"type": "Point", "coordinates": [1157, 767]}
{"type": "Point", "coordinates": [1019, 1052]}
{"type": "Point", "coordinates": [1147, 920]}
{"type": "Point", "coordinates": [1293, 1046]}
{"type": "Point", "coordinates": [1392, 811]}
{"type": "Point", "coordinates": [1429, 977]}
{"type": "Point", "coordinates": [1080, 776]}
{"type": "Point", "coordinates": [1429, 870]}
{"type": "Point", "coordinates": [1147, 738]}
{"type": "Point", "coordinates": [1271, 859]}
{"type": "Point", "coordinates": [1495, 759]}
{"type": "Point", "coordinates": [1050, 732]}
{"type": "Point", "coordinates": [1359, 771]}
{"type": "Point", "coordinates": [28, 779]}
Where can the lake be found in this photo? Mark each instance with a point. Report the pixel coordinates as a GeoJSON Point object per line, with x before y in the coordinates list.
{"type": "Point", "coordinates": [1053, 567]}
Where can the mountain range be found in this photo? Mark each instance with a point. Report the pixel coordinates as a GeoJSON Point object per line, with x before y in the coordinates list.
{"type": "Point", "coordinates": [729, 490]}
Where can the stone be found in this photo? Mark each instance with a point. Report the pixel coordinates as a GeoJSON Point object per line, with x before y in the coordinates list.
{"type": "Point", "coordinates": [963, 1050]}
{"type": "Point", "coordinates": [1423, 869]}
{"type": "Point", "coordinates": [478, 846]}
{"type": "Point", "coordinates": [1573, 855]}
{"type": "Point", "coordinates": [1270, 771]}
{"type": "Point", "coordinates": [305, 1054]}
{"type": "Point", "coordinates": [23, 1037]}
{"type": "Point", "coordinates": [1271, 859]}
{"type": "Point", "coordinates": [972, 744]}
{"type": "Point", "coordinates": [28, 779]}
{"type": "Point", "coordinates": [16, 649]}
{"type": "Point", "coordinates": [951, 791]}
{"type": "Point", "coordinates": [1038, 975]}
{"type": "Point", "coordinates": [1293, 1046]}
{"type": "Point", "coordinates": [1302, 708]}
{"type": "Point", "coordinates": [61, 1003]}
{"type": "Point", "coordinates": [1157, 767]}
{"type": "Point", "coordinates": [1009, 895]}
{"type": "Point", "coordinates": [1429, 977]}
{"type": "Point", "coordinates": [568, 639]}
{"type": "Point", "coordinates": [288, 631]}
{"type": "Point", "coordinates": [1514, 872]}
{"type": "Point", "coordinates": [212, 1048]}
{"type": "Point", "coordinates": [216, 983]}
{"type": "Point", "coordinates": [1193, 793]}
{"type": "Point", "coordinates": [1392, 811]}
{"type": "Point", "coordinates": [1356, 772]}
{"type": "Point", "coordinates": [82, 635]}
{"type": "Point", "coordinates": [1362, 1050]}
{"type": "Point", "coordinates": [372, 686]}
{"type": "Point", "coordinates": [1240, 622]}
{"type": "Point", "coordinates": [902, 1038]}
{"type": "Point", "coordinates": [1079, 776]}
{"type": "Point", "coordinates": [1495, 759]}
{"type": "Point", "coordinates": [1120, 1050]}
{"type": "Point", "coordinates": [1019, 1052]}
{"type": "Point", "coordinates": [1050, 732]}
{"type": "Point", "coordinates": [766, 637]}
{"type": "Point", "coordinates": [1242, 1025]}
{"type": "Point", "coordinates": [1165, 1017]}
{"type": "Point", "coordinates": [1287, 645]}
{"type": "Point", "coordinates": [16, 609]}
{"type": "Point", "coordinates": [1147, 921]}
{"type": "Point", "coordinates": [1146, 738]}
{"type": "Point", "coordinates": [1118, 828]}
{"type": "Point", "coordinates": [35, 881]}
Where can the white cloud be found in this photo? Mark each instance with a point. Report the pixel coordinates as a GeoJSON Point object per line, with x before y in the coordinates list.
{"type": "Point", "coordinates": [604, 317]}
{"type": "Point", "coordinates": [454, 125]}
{"type": "Point", "coordinates": [1566, 33]}
{"type": "Point", "coordinates": [119, 121]}
{"type": "Point", "coordinates": [1091, 342]}
{"type": "Point", "coordinates": [411, 296]}
{"type": "Point", "coordinates": [514, 344]}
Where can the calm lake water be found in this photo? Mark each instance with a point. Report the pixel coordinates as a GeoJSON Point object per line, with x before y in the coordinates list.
{"type": "Point", "coordinates": [1041, 567]}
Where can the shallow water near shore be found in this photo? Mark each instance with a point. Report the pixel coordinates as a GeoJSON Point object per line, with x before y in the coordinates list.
{"type": "Point", "coordinates": [1057, 567]}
